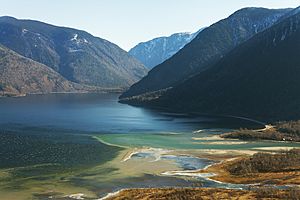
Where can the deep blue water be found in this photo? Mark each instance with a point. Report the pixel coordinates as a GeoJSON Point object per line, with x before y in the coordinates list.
{"type": "Point", "coordinates": [100, 113]}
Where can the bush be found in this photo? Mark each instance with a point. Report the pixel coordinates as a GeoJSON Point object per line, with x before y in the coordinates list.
{"type": "Point", "coordinates": [285, 131]}
{"type": "Point", "coordinates": [292, 193]}
{"type": "Point", "coordinates": [292, 127]}
{"type": "Point", "coordinates": [264, 162]}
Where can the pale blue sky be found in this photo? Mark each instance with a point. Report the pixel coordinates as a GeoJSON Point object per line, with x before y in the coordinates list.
{"type": "Point", "coordinates": [128, 22]}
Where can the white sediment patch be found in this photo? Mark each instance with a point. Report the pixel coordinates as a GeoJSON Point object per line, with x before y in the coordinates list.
{"type": "Point", "coordinates": [190, 173]}
{"type": "Point", "coordinates": [128, 157]}
{"type": "Point", "coordinates": [197, 174]}
{"type": "Point", "coordinates": [194, 174]}
{"type": "Point", "coordinates": [111, 195]}
{"type": "Point", "coordinates": [214, 137]}
{"type": "Point", "coordinates": [109, 144]}
{"type": "Point", "coordinates": [209, 179]}
{"type": "Point", "coordinates": [276, 148]}
{"type": "Point", "coordinates": [198, 131]}
{"type": "Point", "coordinates": [156, 153]}
{"type": "Point", "coordinates": [222, 143]}
{"type": "Point", "coordinates": [211, 165]}
{"type": "Point", "coordinates": [78, 196]}
{"type": "Point", "coordinates": [169, 133]}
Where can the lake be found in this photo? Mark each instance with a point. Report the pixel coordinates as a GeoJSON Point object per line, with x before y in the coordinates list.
{"type": "Point", "coordinates": [61, 144]}
{"type": "Point", "coordinates": [101, 113]}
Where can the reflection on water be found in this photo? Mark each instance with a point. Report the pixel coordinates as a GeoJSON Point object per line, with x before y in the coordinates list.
{"type": "Point", "coordinates": [102, 113]}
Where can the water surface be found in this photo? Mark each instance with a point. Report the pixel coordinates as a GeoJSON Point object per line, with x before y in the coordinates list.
{"type": "Point", "coordinates": [57, 144]}
{"type": "Point", "coordinates": [101, 113]}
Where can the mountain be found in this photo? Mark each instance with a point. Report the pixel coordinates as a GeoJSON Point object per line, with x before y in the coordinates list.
{"type": "Point", "coordinates": [76, 55]}
{"type": "Point", "coordinates": [207, 48]}
{"type": "Point", "coordinates": [258, 79]}
{"type": "Point", "coordinates": [20, 76]}
{"type": "Point", "coordinates": [156, 51]}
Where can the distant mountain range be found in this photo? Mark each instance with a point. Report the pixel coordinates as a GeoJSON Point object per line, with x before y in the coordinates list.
{"type": "Point", "coordinates": [258, 78]}
{"type": "Point", "coordinates": [156, 51]}
{"type": "Point", "coordinates": [76, 55]}
{"type": "Point", "coordinates": [210, 45]}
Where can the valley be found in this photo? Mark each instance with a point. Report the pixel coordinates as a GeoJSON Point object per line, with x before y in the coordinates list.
{"type": "Point", "coordinates": [208, 114]}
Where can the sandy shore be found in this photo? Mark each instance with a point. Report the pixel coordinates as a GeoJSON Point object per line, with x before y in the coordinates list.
{"type": "Point", "coordinates": [214, 137]}
{"type": "Point", "coordinates": [222, 143]}
{"type": "Point", "coordinates": [276, 148]}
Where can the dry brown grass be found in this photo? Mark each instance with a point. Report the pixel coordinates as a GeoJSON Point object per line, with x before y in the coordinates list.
{"type": "Point", "coordinates": [182, 194]}
{"type": "Point", "coordinates": [206, 194]}
{"type": "Point", "coordinates": [288, 176]}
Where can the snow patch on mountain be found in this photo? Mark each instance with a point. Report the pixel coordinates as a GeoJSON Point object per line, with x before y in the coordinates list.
{"type": "Point", "coordinates": [78, 40]}
{"type": "Point", "coordinates": [156, 51]}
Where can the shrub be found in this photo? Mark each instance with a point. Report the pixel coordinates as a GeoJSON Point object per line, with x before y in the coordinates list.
{"type": "Point", "coordinates": [264, 162]}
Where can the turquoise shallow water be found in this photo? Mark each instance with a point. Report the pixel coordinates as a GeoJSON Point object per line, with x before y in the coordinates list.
{"type": "Point", "coordinates": [185, 141]}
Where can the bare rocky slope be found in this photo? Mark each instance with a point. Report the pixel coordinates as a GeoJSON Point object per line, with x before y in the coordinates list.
{"type": "Point", "coordinates": [20, 76]}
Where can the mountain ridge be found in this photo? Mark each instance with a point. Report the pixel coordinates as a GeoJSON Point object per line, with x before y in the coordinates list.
{"type": "Point", "coordinates": [207, 48]}
{"type": "Point", "coordinates": [155, 51]}
{"type": "Point", "coordinates": [258, 79]}
{"type": "Point", "coordinates": [77, 55]}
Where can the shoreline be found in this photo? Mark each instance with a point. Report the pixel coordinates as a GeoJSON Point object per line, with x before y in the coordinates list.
{"type": "Point", "coordinates": [104, 91]}
{"type": "Point", "coordinates": [219, 156]}
{"type": "Point", "coordinates": [271, 178]}
{"type": "Point", "coordinates": [120, 194]}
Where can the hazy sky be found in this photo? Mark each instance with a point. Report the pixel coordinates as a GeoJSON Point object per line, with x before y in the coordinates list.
{"type": "Point", "coordinates": [128, 22]}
